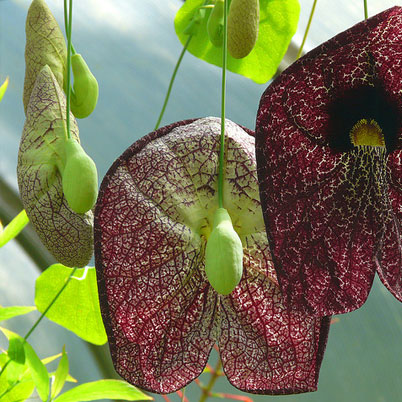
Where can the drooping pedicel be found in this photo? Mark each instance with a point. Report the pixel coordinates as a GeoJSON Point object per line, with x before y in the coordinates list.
{"type": "Point", "coordinates": [41, 162]}
{"type": "Point", "coordinates": [153, 219]}
{"type": "Point", "coordinates": [328, 145]}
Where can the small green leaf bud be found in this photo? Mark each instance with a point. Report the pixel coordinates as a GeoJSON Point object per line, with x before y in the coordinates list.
{"type": "Point", "coordinates": [243, 21]}
{"type": "Point", "coordinates": [223, 254]}
{"type": "Point", "coordinates": [79, 178]}
{"type": "Point", "coordinates": [85, 89]}
{"type": "Point", "coordinates": [215, 23]}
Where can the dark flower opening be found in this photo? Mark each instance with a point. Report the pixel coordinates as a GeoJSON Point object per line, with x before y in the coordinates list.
{"type": "Point", "coordinates": [333, 211]}
{"type": "Point", "coordinates": [369, 103]}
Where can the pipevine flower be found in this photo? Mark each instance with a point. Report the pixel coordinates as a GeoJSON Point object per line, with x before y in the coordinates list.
{"type": "Point", "coordinates": [152, 222]}
{"type": "Point", "coordinates": [329, 163]}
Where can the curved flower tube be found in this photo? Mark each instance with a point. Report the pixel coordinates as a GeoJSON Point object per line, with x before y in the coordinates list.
{"type": "Point", "coordinates": [329, 162]}
{"type": "Point", "coordinates": [152, 221]}
{"type": "Point", "coordinates": [41, 161]}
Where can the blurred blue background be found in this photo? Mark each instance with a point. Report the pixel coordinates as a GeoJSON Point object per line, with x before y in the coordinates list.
{"type": "Point", "coordinates": [131, 48]}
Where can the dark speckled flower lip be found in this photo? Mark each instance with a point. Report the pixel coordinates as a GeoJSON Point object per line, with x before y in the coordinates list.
{"type": "Point", "coordinates": [329, 164]}
{"type": "Point", "coordinates": [162, 316]}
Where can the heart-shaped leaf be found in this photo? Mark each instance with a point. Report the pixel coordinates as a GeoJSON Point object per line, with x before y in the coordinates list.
{"type": "Point", "coordinates": [278, 24]}
{"type": "Point", "coordinates": [77, 307]}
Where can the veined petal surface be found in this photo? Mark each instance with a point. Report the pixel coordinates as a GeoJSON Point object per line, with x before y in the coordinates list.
{"type": "Point", "coordinates": [66, 234]}
{"type": "Point", "coordinates": [152, 221]}
{"type": "Point", "coordinates": [332, 210]}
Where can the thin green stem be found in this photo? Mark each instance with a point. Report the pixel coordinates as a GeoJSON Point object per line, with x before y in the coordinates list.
{"type": "Point", "coordinates": [223, 106]}
{"type": "Point", "coordinates": [70, 20]}
{"type": "Point", "coordinates": [307, 30]}
{"type": "Point", "coordinates": [206, 391]}
{"type": "Point", "coordinates": [172, 81]}
{"type": "Point", "coordinates": [365, 10]}
{"type": "Point", "coordinates": [66, 26]}
{"type": "Point", "coordinates": [51, 304]}
{"type": "Point", "coordinates": [41, 318]}
{"type": "Point", "coordinates": [183, 397]}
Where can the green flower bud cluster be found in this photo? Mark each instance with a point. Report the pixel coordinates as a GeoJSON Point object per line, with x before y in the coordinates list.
{"type": "Point", "coordinates": [223, 254]}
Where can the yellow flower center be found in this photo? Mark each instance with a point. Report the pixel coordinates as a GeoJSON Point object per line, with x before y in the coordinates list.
{"type": "Point", "coordinates": [366, 132]}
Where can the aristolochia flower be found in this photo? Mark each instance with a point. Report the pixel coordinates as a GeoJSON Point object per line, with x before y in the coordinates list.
{"type": "Point", "coordinates": [152, 222]}
{"type": "Point", "coordinates": [328, 145]}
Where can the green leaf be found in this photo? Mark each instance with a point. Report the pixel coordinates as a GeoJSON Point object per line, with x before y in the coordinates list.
{"type": "Point", "coordinates": [38, 372]}
{"type": "Point", "coordinates": [103, 389]}
{"type": "Point", "coordinates": [20, 392]}
{"type": "Point", "coordinates": [278, 24]}
{"type": "Point", "coordinates": [16, 350]}
{"type": "Point", "coordinates": [60, 376]}
{"type": "Point", "coordinates": [3, 88]}
{"type": "Point", "coordinates": [77, 307]}
{"type": "Point", "coordinates": [12, 373]}
{"type": "Point", "coordinates": [14, 227]}
{"type": "Point", "coordinates": [13, 311]}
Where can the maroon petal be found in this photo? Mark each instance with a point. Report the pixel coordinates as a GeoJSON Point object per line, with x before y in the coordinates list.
{"type": "Point", "coordinates": [325, 204]}
{"type": "Point", "coordinates": [162, 317]}
{"type": "Point", "coordinates": [158, 307]}
{"type": "Point", "coordinates": [389, 258]}
{"type": "Point", "coordinates": [265, 347]}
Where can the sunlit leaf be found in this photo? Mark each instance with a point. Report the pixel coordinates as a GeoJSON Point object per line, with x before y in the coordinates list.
{"type": "Point", "coordinates": [77, 307]}
{"type": "Point", "coordinates": [38, 372]}
{"type": "Point", "coordinates": [14, 228]}
{"type": "Point", "coordinates": [12, 372]}
{"type": "Point", "coordinates": [16, 350]}
{"type": "Point", "coordinates": [3, 88]}
{"type": "Point", "coordinates": [278, 24]}
{"type": "Point", "coordinates": [18, 393]}
{"type": "Point", "coordinates": [60, 375]}
{"type": "Point", "coordinates": [103, 389]}
{"type": "Point", "coordinates": [50, 359]}
{"type": "Point", "coordinates": [13, 311]}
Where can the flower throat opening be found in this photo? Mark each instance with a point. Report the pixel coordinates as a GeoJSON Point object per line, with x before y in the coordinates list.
{"type": "Point", "coordinates": [367, 132]}
{"type": "Point", "coordinates": [363, 116]}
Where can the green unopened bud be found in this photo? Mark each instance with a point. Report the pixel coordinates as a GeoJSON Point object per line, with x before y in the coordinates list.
{"type": "Point", "coordinates": [223, 254]}
{"type": "Point", "coordinates": [85, 89]}
{"type": "Point", "coordinates": [215, 23]}
{"type": "Point", "coordinates": [79, 178]}
{"type": "Point", "coordinates": [243, 21]}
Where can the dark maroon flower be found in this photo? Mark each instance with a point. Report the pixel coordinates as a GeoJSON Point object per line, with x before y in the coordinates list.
{"type": "Point", "coordinates": [152, 221]}
{"type": "Point", "coordinates": [329, 162]}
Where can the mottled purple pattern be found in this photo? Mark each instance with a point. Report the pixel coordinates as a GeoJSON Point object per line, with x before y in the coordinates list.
{"type": "Point", "coordinates": [162, 317]}
{"type": "Point", "coordinates": [332, 218]}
